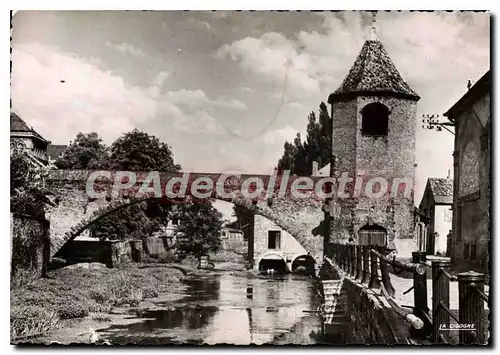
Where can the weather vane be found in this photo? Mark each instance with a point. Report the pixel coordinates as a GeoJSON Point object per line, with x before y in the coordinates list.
{"type": "Point", "coordinates": [432, 122]}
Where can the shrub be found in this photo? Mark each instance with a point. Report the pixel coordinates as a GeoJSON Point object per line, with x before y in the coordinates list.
{"type": "Point", "coordinates": [72, 310]}
{"type": "Point", "coordinates": [167, 258]}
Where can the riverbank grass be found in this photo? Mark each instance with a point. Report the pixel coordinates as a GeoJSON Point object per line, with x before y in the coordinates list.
{"type": "Point", "coordinates": [38, 305]}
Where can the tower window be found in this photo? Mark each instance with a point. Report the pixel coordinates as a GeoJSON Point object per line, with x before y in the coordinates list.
{"type": "Point", "coordinates": [375, 120]}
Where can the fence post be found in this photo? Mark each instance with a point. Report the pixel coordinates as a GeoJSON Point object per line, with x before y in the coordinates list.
{"type": "Point", "coordinates": [342, 256]}
{"type": "Point", "coordinates": [420, 289]}
{"type": "Point", "coordinates": [440, 293]}
{"type": "Point", "coordinates": [384, 271]}
{"type": "Point", "coordinates": [374, 280]}
{"type": "Point", "coordinates": [354, 258]}
{"type": "Point", "coordinates": [366, 264]}
{"type": "Point", "coordinates": [349, 258]}
{"type": "Point", "coordinates": [359, 263]}
{"type": "Point", "coordinates": [471, 306]}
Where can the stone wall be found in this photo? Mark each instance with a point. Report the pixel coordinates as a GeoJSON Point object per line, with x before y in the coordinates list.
{"type": "Point", "coordinates": [75, 211]}
{"type": "Point", "coordinates": [289, 249]}
{"type": "Point", "coordinates": [389, 157]}
{"type": "Point", "coordinates": [471, 187]}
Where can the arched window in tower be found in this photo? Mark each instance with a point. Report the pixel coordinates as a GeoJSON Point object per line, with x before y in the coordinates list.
{"type": "Point", "coordinates": [375, 120]}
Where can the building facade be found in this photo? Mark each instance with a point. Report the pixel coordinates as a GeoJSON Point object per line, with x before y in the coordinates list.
{"type": "Point", "coordinates": [34, 143]}
{"type": "Point", "coordinates": [374, 136]}
{"type": "Point", "coordinates": [436, 204]}
{"type": "Point", "coordinates": [231, 238]}
{"type": "Point", "coordinates": [274, 247]}
{"type": "Point", "coordinates": [471, 116]}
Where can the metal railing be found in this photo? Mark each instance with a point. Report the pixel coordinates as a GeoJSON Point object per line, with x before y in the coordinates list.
{"type": "Point", "coordinates": [370, 266]}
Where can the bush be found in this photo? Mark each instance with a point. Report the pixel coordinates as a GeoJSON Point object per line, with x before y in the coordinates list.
{"type": "Point", "coordinates": [72, 310]}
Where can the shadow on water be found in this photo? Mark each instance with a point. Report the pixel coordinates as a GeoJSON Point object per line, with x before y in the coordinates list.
{"type": "Point", "coordinates": [232, 309]}
{"type": "Point", "coordinates": [152, 329]}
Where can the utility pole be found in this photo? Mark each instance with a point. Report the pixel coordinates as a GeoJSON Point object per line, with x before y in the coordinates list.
{"type": "Point", "coordinates": [431, 122]}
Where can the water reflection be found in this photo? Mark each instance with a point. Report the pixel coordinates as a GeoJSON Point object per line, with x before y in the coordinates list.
{"type": "Point", "coordinates": [230, 309]}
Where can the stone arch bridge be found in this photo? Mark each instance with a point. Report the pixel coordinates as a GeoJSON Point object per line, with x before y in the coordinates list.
{"type": "Point", "coordinates": [77, 208]}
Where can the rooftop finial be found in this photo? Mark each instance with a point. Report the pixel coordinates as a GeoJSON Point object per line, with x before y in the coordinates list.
{"type": "Point", "coordinates": [373, 35]}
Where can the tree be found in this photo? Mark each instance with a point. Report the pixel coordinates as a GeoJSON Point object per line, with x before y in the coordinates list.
{"type": "Point", "coordinates": [136, 151]}
{"type": "Point", "coordinates": [301, 165]}
{"type": "Point", "coordinates": [287, 160]}
{"type": "Point", "coordinates": [131, 222]}
{"type": "Point", "coordinates": [87, 151]}
{"type": "Point", "coordinates": [198, 230]}
{"type": "Point", "coordinates": [28, 194]}
{"type": "Point", "coordinates": [325, 135]}
{"type": "Point", "coordinates": [299, 156]}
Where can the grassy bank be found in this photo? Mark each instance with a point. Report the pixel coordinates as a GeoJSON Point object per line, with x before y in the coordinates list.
{"type": "Point", "coordinates": [38, 305]}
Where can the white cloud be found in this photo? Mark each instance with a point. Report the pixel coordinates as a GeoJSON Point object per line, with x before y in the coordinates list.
{"type": "Point", "coordinates": [126, 48]}
{"type": "Point", "coordinates": [197, 98]}
{"type": "Point", "coordinates": [296, 105]}
{"type": "Point", "coordinates": [52, 89]}
{"type": "Point", "coordinates": [318, 61]}
{"type": "Point", "coordinates": [275, 57]}
{"type": "Point", "coordinates": [157, 83]}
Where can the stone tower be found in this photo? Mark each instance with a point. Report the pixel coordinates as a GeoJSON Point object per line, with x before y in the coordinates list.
{"type": "Point", "coordinates": [374, 127]}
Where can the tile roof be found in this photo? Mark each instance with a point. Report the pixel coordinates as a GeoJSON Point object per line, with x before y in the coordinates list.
{"type": "Point", "coordinates": [17, 124]}
{"type": "Point", "coordinates": [373, 73]}
{"type": "Point", "coordinates": [442, 189]}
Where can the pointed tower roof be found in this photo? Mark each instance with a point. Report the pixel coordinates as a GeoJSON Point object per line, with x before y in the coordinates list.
{"type": "Point", "coordinates": [373, 73]}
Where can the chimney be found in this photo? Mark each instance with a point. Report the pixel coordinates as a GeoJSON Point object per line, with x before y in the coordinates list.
{"type": "Point", "coordinates": [449, 172]}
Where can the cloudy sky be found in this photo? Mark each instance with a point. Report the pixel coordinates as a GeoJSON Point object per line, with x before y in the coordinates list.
{"type": "Point", "coordinates": [226, 89]}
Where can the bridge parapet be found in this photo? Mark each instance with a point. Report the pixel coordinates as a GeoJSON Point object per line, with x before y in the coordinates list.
{"type": "Point", "coordinates": [77, 210]}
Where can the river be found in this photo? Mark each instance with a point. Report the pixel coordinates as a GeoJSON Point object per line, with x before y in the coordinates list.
{"type": "Point", "coordinates": [229, 308]}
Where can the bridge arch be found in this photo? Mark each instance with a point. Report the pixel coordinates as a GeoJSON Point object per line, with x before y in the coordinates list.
{"type": "Point", "coordinates": [76, 212]}
{"type": "Point", "coordinates": [303, 263]}
{"type": "Point", "coordinates": [272, 260]}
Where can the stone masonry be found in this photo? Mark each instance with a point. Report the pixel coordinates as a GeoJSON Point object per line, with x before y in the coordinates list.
{"type": "Point", "coordinates": [289, 250]}
{"type": "Point", "coordinates": [75, 211]}
{"type": "Point", "coordinates": [374, 79]}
